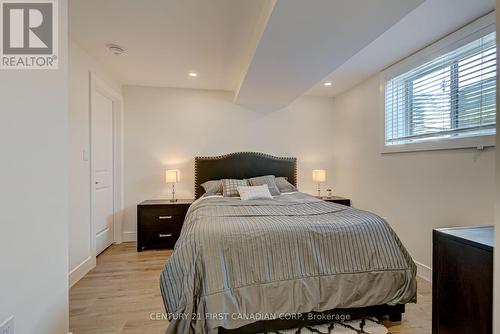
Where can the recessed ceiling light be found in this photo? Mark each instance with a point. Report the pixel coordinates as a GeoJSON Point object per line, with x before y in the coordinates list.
{"type": "Point", "coordinates": [193, 74]}
{"type": "Point", "coordinates": [327, 83]}
{"type": "Point", "coordinates": [115, 49]}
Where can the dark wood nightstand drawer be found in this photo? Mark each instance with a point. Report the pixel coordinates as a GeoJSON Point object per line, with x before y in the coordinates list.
{"type": "Point", "coordinates": [159, 223]}
{"type": "Point", "coordinates": [161, 236]}
{"type": "Point", "coordinates": [160, 216]}
{"type": "Point", "coordinates": [338, 200]}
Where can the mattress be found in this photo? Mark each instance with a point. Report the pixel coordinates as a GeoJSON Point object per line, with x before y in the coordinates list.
{"type": "Point", "coordinates": [237, 262]}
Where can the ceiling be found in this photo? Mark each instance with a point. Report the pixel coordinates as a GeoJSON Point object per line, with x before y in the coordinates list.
{"type": "Point", "coordinates": [166, 39]}
{"type": "Point", "coordinates": [269, 52]}
{"type": "Point", "coordinates": [303, 41]}
{"type": "Point", "coordinates": [425, 25]}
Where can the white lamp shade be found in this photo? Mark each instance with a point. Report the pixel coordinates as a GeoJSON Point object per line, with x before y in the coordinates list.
{"type": "Point", "coordinates": [172, 176]}
{"type": "Point", "coordinates": [319, 175]}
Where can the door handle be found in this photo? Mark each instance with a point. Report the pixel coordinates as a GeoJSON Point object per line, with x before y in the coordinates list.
{"type": "Point", "coordinates": [165, 235]}
{"type": "Point", "coordinates": [165, 217]}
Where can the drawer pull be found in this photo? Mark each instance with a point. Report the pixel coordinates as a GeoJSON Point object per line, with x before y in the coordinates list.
{"type": "Point", "coordinates": [165, 235]}
{"type": "Point", "coordinates": [165, 217]}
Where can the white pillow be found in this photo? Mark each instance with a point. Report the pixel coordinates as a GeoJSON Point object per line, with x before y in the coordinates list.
{"type": "Point", "coordinates": [254, 192]}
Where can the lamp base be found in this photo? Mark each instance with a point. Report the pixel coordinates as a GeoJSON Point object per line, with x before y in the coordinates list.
{"type": "Point", "coordinates": [173, 199]}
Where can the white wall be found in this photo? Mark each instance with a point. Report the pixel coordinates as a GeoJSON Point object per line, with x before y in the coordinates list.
{"type": "Point", "coordinates": [415, 191]}
{"type": "Point", "coordinates": [496, 256]}
{"type": "Point", "coordinates": [80, 66]}
{"type": "Point", "coordinates": [33, 195]}
{"type": "Point", "coordinates": [167, 128]}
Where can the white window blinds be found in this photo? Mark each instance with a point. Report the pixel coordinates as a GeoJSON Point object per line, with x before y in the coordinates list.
{"type": "Point", "coordinates": [452, 96]}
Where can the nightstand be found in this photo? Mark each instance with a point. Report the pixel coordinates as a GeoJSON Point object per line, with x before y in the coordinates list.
{"type": "Point", "coordinates": [462, 282]}
{"type": "Point", "coordinates": [159, 222]}
{"type": "Point", "coordinates": [337, 199]}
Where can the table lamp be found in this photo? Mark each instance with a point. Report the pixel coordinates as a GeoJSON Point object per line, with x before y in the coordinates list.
{"type": "Point", "coordinates": [172, 176]}
{"type": "Point", "coordinates": [319, 176]}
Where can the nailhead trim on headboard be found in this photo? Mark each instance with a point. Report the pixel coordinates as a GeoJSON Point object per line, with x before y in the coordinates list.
{"type": "Point", "coordinates": [225, 156]}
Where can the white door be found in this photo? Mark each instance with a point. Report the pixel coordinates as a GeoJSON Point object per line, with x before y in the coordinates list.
{"type": "Point", "coordinates": [102, 170]}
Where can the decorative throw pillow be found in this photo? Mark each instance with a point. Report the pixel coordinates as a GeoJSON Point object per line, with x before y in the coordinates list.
{"type": "Point", "coordinates": [268, 180]}
{"type": "Point", "coordinates": [213, 187]}
{"type": "Point", "coordinates": [254, 192]}
{"type": "Point", "coordinates": [230, 187]}
{"type": "Point", "coordinates": [284, 186]}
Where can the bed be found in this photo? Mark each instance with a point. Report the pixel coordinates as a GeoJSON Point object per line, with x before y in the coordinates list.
{"type": "Point", "coordinates": [254, 266]}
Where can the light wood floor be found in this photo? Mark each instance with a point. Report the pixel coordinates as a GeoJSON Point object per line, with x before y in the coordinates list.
{"type": "Point", "coordinates": [121, 293]}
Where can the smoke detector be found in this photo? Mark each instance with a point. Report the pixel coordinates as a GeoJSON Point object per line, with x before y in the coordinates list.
{"type": "Point", "coordinates": [115, 49]}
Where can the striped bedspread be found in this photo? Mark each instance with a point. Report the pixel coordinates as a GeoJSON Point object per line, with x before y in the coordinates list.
{"type": "Point", "coordinates": [237, 262]}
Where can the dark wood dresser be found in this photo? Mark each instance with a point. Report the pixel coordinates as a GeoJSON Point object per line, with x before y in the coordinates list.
{"type": "Point", "coordinates": [462, 287]}
{"type": "Point", "coordinates": [337, 199]}
{"type": "Point", "coordinates": [159, 223]}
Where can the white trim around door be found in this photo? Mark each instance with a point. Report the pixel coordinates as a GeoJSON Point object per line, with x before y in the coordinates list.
{"type": "Point", "coordinates": [98, 86]}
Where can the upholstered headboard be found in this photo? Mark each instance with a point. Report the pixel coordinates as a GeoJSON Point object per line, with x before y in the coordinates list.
{"type": "Point", "coordinates": [241, 165]}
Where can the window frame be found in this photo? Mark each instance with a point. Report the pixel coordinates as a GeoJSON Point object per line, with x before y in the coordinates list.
{"type": "Point", "coordinates": [473, 31]}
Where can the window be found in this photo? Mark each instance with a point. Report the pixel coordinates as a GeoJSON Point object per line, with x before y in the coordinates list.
{"type": "Point", "coordinates": [450, 97]}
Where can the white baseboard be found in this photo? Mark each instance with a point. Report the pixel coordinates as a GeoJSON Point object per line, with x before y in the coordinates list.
{"type": "Point", "coordinates": [424, 271]}
{"type": "Point", "coordinates": [129, 236]}
{"type": "Point", "coordinates": [81, 270]}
